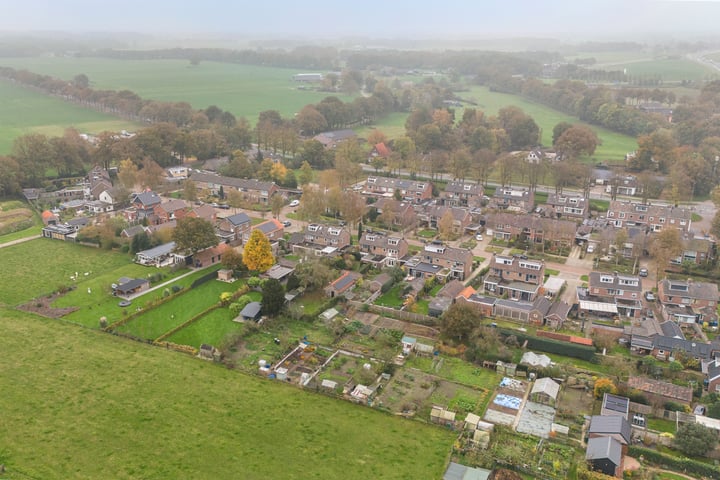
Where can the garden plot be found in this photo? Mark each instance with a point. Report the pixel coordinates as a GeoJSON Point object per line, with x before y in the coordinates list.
{"type": "Point", "coordinates": [301, 364]}
{"type": "Point", "coordinates": [408, 391]}
{"type": "Point", "coordinates": [411, 329]}
{"type": "Point", "coordinates": [536, 419]}
{"type": "Point", "coordinates": [507, 402]}
{"type": "Point", "coordinates": [348, 371]}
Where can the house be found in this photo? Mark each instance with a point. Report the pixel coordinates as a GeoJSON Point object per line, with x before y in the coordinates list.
{"type": "Point", "coordinates": [545, 391]}
{"type": "Point", "coordinates": [49, 218]}
{"type": "Point", "coordinates": [379, 150]}
{"type": "Point", "coordinates": [233, 228]}
{"type": "Point", "coordinates": [382, 249]}
{"type": "Point", "coordinates": [319, 239]}
{"type": "Point", "coordinates": [654, 218]}
{"type": "Point", "coordinates": [697, 250]}
{"type": "Point", "coordinates": [110, 197]}
{"type": "Point", "coordinates": [604, 455]}
{"type": "Point", "coordinates": [566, 205]}
{"type": "Point", "coordinates": [131, 286]}
{"type": "Point", "coordinates": [664, 347]}
{"type": "Point", "coordinates": [272, 229]}
{"type": "Point", "coordinates": [170, 210]}
{"type": "Point", "coordinates": [657, 108]}
{"type": "Point", "coordinates": [444, 298]}
{"type": "Point", "coordinates": [332, 139]}
{"type": "Point", "coordinates": [610, 294]}
{"type": "Point", "coordinates": [661, 392]}
{"type": "Point", "coordinates": [439, 260]}
{"type": "Point", "coordinates": [308, 77]}
{"type": "Point", "coordinates": [61, 231]}
{"type": "Point", "coordinates": [713, 376]}
{"type": "Point", "coordinates": [432, 215]}
{"type": "Point", "coordinates": [204, 211]}
{"type": "Point", "coordinates": [534, 156]}
{"type": "Point", "coordinates": [342, 284]}
{"type": "Point", "coordinates": [411, 190]}
{"type": "Point", "coordinates": [484, 305]}
{"type": "Point", "coordinates": [513, 199]}
{"type": "Point", "coordinates": [253, 191]}
{"type": "Point", "coordinates": [398, 213]}
{"type": "Point", "coordinates": [688, 301]}
{"type": "Point", "coordinates": [144, 203]}
{"type": "Point", "coordinates": [179, 172]}
{"type": "Point", "coordinates": [517, 277]}
{"type": "Point", "coordinates": [615, 405]}
{"type": "Point", "coordinates": [522, 311]}
{"type": "Point", "coordinates": [251, 311]}
{"type": "Point", "coordinates": [159, 256]}
{"type": "Point", "coordinates": [626, 185]}
{"type": "Point", "coordinates": [463, 194]}
{"type": "Point", "coordinates": [531, 229]}
{"type": "Point", "coordinates": [614, 426]}
{"type": "Point", "coordinates": [210, 256]}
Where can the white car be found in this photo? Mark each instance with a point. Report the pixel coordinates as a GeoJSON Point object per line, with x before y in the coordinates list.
{"type": "Point", "coordinates": [295, 203]}
{"type": "Point", "coordinates": [479, 237]}
{"type": "Point", "coordinates": [591, 248]}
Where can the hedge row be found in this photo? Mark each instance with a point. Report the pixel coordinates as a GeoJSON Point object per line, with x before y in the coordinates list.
{"type": "Point", "coordinates": [155, 303]}
{"type": "Point", "coordinates": [552, 346]}
{"type": "Point", "coordinates": [205, 278]}
{"type": "Point", "coordinates": [680, 464]}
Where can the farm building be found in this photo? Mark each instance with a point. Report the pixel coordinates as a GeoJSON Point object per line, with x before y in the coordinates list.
{"type": "Point", "coordinates": [545, 391]}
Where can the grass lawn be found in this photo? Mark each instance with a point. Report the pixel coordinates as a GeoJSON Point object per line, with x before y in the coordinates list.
{"type": "Point", "coordinates": [44, 265]}
{"type": "Point", "coordinates": [28, 232]}
{"type": "Point", "coordinates": [211, 329]}
{"type": "Point", "coordinates": [614, 145]}
{"type": "Point", "coordinates": [26, 111]}
{"type": "Point", "coordinates": [391, 298]}
{"type": "Point", "coordinates": [550, 271]}
{"type": "Point", "coordinates": [427, 233]}
{"type": "Point", "coordinates": [143, 412]}
{"type": "Point", "coordinates": [393, 126]}
{"type": "Point", "coordinates": [244, 90]}
{"type": "Point", "coordinates": [667, 69]}
{"type": "Point", "coordinates": [661, 425]}
{"type": "Point", "coordinates": [167, 316]}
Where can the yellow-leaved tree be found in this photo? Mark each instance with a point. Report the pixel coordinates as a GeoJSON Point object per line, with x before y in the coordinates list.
{"type": "Point", "coordinates": [603, 386]}
{"type": "Point", "coordinates": [257, 255]}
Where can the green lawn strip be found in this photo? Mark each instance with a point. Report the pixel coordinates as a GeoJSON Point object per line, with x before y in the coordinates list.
{"type": "Point", "coordinates": [661, 425]}
{"type": "Point", "coordinates": [156, 321]}
{"type": "Point", "coordinates": [212, 328]}
{"type": "Point", "coordinates": [422, 306]}
{"type": "Point", "coordinates": [550, 271]}
{"type": "Point", "coordinates": [392, 125]}
{"type": "Point", "coordinates": [391, 298]}
{"type": "Point", "coordinates": [94, 298]}
{"type": "Point", "coordinates": [28, 232]}
{"type": "Point", "coordinates": [41, 266]}
{"type": "Point", "coordinates": [144, 412]}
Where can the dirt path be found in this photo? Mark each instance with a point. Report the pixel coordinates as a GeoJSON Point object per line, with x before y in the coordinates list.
{"type": "Point", "coordinates": [20, 240]}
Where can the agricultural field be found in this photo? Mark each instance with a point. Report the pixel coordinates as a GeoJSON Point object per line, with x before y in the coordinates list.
{"type": "Point", "coordinates": [668, 70]}
{"type": "Point", "coordinates": [26, 111]}
{"type": "Point", "coordinates": [243, 90]}
{"type": "Point", "coordinates": [45, 265]}
{"type": "Point", "coordinates": [614, 145]}
{"type": "Point", "coordinates": [143, 412]}
{"type": "Point", "coordinates": [17, 220]}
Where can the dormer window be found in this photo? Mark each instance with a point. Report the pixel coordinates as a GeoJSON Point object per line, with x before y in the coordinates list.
{"type": "Point", "coordinates": [467, 187]}
{"type": "Point", "coordinates": [393, 241]}
{"type": "Point", "coordinates": [370, 238]}
{"type": "Point", "coordinates": [607, 279]}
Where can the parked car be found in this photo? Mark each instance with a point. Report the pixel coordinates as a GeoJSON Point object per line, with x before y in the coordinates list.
{"type": "Point", "coordinates": [287, 223]}
{"type": "Point", "coordinates": [699, 410]}
{"type": "Point", "coordinates": [643, 272]}
{"type": "Point", "coordinates": [649, 297]}
{"type": "Point", "coordinates": [650, 313]}
{"type": "Point", "coordinates": [479, 237]}
{"type": "Point", "coordinates": [295, 203]}
{"type": "Point", "coordinates": [590, 248]}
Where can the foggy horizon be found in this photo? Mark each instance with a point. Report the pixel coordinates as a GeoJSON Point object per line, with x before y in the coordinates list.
{"type": "Point", "coordinates": [452, 20]}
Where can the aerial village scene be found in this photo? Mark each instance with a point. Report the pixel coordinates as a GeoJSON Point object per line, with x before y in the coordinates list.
{"type": "Point", "coordinates": [472, 265]}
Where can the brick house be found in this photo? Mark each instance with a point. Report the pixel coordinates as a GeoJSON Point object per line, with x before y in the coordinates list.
{"type": "Point", "coordinates": [333, 138]}
{"type": "Point", "coordinates": [431, 215]}
{"type": "Point", "coordinates": [484, 305]}
{"type": "Point", "coordinates": [402, 214]}
{"type": "Point", "coordinates": [660, 392]}
{"type": "Point", "coordinates": [653, 217]}
{"type": "Point", "coordinates": [171, 210]}
{"type": "Point", "coordinates": [382, 248]}
{"type": "Point", "coordinates": [144, 203]}
{"type": "Point", "coordinates": [411, 190]}
{"type": "Point", "coordinates": [463, 194]}
{"type": "Point", "coordinates": [610, 294]}
{"type": "Point", "coordinates": [571, 206]}
{"type": "Point", "coordinates": [696, 250]}
{"type": "Point", "coordinates": [519, 278]}
{"type": "Point", "coordinates": [513, 199]}
{"type": "Point", "coordinates": [439, 260]}
{"type": "Point", "coordinates": [320, 239]}
{"type": "Point", "coordinates": [253, 191]}
{"type": "Point", "coordinates": [530, 228]}
{"type": "Point", "coordinates": [342, 284]}
{"type": "Point", "coordinates": [379, 150]}
{"type": "Point", "coordinates": [272, 229]}
{"type": "Point", "coordinates": [688, 301]}
{"type": "Point", "coordinates": [233, 228]}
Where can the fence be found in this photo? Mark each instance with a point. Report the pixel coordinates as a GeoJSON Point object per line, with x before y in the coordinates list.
{"type": "Point", "coordinates": [395, 313]}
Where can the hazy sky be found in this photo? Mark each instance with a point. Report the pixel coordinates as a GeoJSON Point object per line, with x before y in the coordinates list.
{"type": "Point", "coordinates": [371, 18]}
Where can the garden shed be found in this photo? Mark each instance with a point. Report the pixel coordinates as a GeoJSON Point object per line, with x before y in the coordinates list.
{"type": "Point", "coordinates": [455, 471]}
{"type": "Point", "coordinates": [225, 275]}
{"type": "Point", "coordinates": [441, 416]}
{"type": "Point", "coordinates": [508, 369]}
{"type": "Point", "coordinates": [251, 311]}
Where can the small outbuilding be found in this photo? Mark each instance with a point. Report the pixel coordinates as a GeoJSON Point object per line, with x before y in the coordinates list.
{"type": "Point", "coordinates": [455, 471]}
{"type": "Point", "coordinates": [131, 286]}
{"type": "Point", "coordinates": [225, 275]}
{"type": "Point", "coordinates": [604, 454]}
{"type": "Point", "coordinates": [441, 416]}
{"type": "Point", "coordinates": [251, 311]}
{"type": "Point", "coordinates": [545, 391]}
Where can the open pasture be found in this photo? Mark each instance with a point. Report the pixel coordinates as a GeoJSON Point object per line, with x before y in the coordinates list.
{"type": "Point", "coordinates": [244, 90]}
{"type": "Point", "coordinates": [138, 411]}
{"type": "Point", "coordinates": [26, 111]}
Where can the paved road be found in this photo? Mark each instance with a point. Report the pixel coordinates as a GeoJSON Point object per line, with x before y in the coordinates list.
{"type": "Point", "coordinates": [20, 240]}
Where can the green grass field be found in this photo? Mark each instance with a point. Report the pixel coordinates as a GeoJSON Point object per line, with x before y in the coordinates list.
{"type": "Point", "coordinates": [669, 70]}
{"type": "Point", "coordinates": [614, 145]}
{"type": "Point", "coordinates": [244, 90]}
{"type": "Point", "coordinates": [77, 403]}
{"type": "Point", "coordinates": [39, 267]}
{"type": "Point", "coordinates": [25, 111]}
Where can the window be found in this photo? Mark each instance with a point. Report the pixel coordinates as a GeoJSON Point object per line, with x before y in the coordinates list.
{"type": "Point", "coordinates": [393, 241]}
{"type": "Point", "coordinates": [607, 279]}
{"type": "Point", "coordinates": [622, 215]}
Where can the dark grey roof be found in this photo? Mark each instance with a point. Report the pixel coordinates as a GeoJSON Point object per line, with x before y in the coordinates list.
{"type": "Point", "coordinates": [610, 425]}
{"type": "Point", "coordinates": [698, 290]}
{"type": "Point", "coordinates": [78, 222]}
{"type": "Point", "coordinates": [131, 285]}
{"type": "Point", "coordinates": [134, 230]}
{"type": "Point", "coordinates": [160, 250]}
{"type": "Point", "coordinates": [616, 403]}
{"type": "Point", "coordinates": [466, 188]}
{"type": "Point", "coordinates": [238, 218]}
{"type": "Point", "coordinates": [425, 267]}
{"type": "Point", "coordinates": [242, 184]}
{"type": "Point", "coordinates": [604, 447]}
{"type": "Point", "coordinates": [347, 279]}
{"type": "Point", "coordinates": [543, 305]}
{"type": "Point", "coordinates": [671, 329]}
{"type": "Point", "coordinates": [269, 226]}
{"type": "Point", "coordinates": [481, 299]}
{"type": "Point", "coordinates": [713, 370]}
{"type": "Point", "coordinates": [561, 309]}
{"type": "Point", "coordinates": [515, 305]}
{"type": "Point", "coordinates": [148, 199]}
{"type": "Point", "coordinates": [251, 310]}
{"type": "Point", "coordinates": [594, 281]}
{"type": "Point", "coordinates": [671, 344]}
